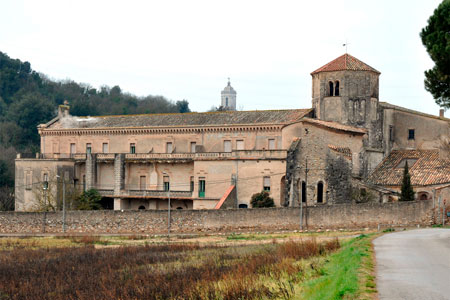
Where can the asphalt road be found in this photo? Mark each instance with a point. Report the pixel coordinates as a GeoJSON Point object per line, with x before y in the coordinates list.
{"type": "Point", "coordinates": [414, 264]}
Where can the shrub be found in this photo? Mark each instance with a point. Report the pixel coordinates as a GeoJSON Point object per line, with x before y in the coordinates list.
{"type": "Point", "coordinates": [89, 200]}
{"type": "Point", "coordinates": [262, 200]}
{"type": "Point", "coordinates": [407, 189]}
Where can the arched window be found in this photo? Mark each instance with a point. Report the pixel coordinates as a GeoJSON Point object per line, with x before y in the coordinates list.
{"type": "Point", "coordinates": [331, 88]}
{"type": "Point", "coordinates": [320, 192]}
{"type": "Point", "coordinates": [423, 196]}
{"type": "Point", "coordinates": [142, 207]}
{"type": "Point", "coordinates": [336, 88]}
{"type": "Point", "coordinates": [226, 102]}
{"type": "Point", "coordinates": [243, 206]}
{"type": "Point", "coordinates": [303, 191]}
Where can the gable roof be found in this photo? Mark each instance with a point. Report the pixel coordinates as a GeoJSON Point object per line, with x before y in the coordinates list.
{"type": "Point", "coordinates": [222, 118]}
{"type": "Point", "coordinates": [429, 169]}
{"type": "Point", "coordinates": [387, 105]}
{"type": "Point", "coordinates": [345, 62]}
{"type": "Point", "coordinates": [335, 125]}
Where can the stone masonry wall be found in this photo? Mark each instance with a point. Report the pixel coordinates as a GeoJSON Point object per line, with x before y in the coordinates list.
{"type": "Point", "coordinates": [189, 221]}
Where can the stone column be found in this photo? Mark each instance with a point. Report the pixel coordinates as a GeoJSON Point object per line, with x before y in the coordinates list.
{"type": "Point", "coordinates": [119, 176]}
{"type": "Point", "coordinates": [91, 167]}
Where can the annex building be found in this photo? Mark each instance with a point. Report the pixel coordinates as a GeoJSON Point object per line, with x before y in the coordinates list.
{"type": "Point", "coordinates": [349, 147]}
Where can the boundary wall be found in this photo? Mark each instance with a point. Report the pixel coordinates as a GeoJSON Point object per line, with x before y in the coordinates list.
{"type": "Point", "coordinates": [338, 216]}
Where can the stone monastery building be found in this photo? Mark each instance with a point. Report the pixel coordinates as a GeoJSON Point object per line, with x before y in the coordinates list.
{"type": "Point", "coordinates": [349, 147]}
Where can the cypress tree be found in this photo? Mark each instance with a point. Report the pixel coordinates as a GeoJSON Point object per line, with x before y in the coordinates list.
{"type": "Point", "coordinates": [407, 189]}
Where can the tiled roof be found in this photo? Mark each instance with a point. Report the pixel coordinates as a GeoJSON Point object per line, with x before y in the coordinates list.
{"type": "Point", "coordinates": [429, 169]}
{"type": "Point", "coordinates": [335, 125]}
{"type": "Point", "coordinates": [345, 62]}
{"type": "Point", "coordinates": [415, 112]}
{"type": "Point", "coordinates": [186, 119]}
{"type": "Point", "coordinates": [341, 150]}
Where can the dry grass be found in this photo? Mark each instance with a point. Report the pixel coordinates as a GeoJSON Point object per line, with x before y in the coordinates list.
{"type": "Point", "coordinates": [170, 271]}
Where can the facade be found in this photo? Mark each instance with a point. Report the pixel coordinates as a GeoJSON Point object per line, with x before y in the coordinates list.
{"type": "Point", "coordinates": [220, 159]}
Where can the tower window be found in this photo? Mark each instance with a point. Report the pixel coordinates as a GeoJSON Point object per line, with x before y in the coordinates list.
{"type": "Point", "coordinates": [226, 102]}
{"type": "Point", "coordinates": [331, 88]}
{"type": "Point", "coordinates": [320, 192]}
{"type": "Point", "coordinates": [391, 133]}
{"type": "Point", "coordinates": [336, 88]}
{"type": "Point", "coordinates": [411, 134]}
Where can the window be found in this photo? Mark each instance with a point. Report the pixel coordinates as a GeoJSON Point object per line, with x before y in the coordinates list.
{"type": "Point", "coordinates": [88, 148]}
{"type": "Point", "coordinates": [28, 180]}
{"type": "Point", "coordinates": [201, 187]}
{"type": "Point", "coordinates": [303, 191]}
{"type": "Point", "coordinates": [411, 134]}
{"type": "Point", "coordinates": [142, 183]}
{"type": "Point", "coordinates": [320, 192]}
{"type": "Point", "coordinates": [166, 181]}
{"type": "Point", "coordinates": [169, 147]}
{"type": "Point", "coordinates": [331, 90]}
{"type": "Point", "coordinates": [336, 88]}
{"type": "Point", "coordinates": [193, 144]}
{"type": "Point", "coordinates": [226, 102]}
{"type": "Point", "coordinates": [55, 148]}
{"type": "Point", "coordinates": [45, 181]}
{"type": "Point", "coordinates": [142, 207]}
{"type": "Point", "coordinates": [240, 144]}
{"type": "Point", "coordinates": [105, 148]}
{"type": "Point", "coordinates": [391, 133]}
{"type": "Point", "coordinates": [226, 146]}
{"type": "Point", "coordinates": [243, 205]}
{"type": "Point", "coordinates": [271, 144]}
{"type": "Point", "coordinates": [73, 148]}
{"type": "Point", "coordinates": [192, 183]}
{"type": "Point", "coordinates": [84, 182]}
{"type": "Point", "coordinates": [266, 183]}
{"type": "Point", "coordinates": [132, 148]}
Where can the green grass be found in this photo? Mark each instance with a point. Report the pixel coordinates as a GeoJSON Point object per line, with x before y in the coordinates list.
{"type": "Point", "coordinates": [341, 274]}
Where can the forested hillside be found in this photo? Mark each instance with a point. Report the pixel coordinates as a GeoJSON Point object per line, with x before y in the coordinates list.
{"type": "Point", "coordinates": [29, 98]}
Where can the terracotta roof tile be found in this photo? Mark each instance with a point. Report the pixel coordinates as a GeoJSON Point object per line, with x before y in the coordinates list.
{"type": "Point", "coordinates": [187, 119]}
{"type": "Point", "coordinates": [341, 150]}
{"type": "Point", "coordinates": [345, 62]}
{"type": "Point", "coordinates": [428, 168]}
{"type": "Point", "coordinates": [335, 125]}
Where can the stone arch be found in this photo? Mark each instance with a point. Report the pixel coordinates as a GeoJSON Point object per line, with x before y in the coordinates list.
{"type": "Point", "coordinates": [142, 207]}
{"type": "Point", "coordinates": [423, 196]}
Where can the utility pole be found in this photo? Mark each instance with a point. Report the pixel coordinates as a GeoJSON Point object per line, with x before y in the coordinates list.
{"type": "Point", "coordinates": [168, 214]}
{"type": "Point", "coordinates": [64, 204]}
{"type": "Point", "coordinates": [306, 192]}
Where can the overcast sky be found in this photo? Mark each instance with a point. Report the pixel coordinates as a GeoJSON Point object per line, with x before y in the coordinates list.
{"type": "Point", "coordinates": [187, 49]}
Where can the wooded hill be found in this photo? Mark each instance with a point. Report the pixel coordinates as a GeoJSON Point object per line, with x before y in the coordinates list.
{"type": "Point", "coordinates": [29, 98]}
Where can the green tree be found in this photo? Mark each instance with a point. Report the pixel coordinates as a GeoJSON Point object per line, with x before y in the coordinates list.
{"type": "Point", "coordinates": [436, 39]}
{"type": "Point", "coordinates": [89, 200]}
{"type": "Point", "coordinates": [262, 199]}
{"type": "Point", "coordinates": [407, 189]}
{"type": "Point", "coordinates": [183, 106]}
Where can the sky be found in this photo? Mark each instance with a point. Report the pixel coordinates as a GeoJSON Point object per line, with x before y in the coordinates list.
{"type": "Point", "coordinates": [187, 49]}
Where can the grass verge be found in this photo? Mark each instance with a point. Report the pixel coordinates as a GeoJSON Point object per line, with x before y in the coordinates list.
{"type": "Point", "coordinates": [348, 274]}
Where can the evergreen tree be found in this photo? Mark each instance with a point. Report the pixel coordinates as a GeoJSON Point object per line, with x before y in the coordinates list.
{"type": "Point", "coordinates": [407, 189]}
{"type": "Point", "coordinates": [436, 39]}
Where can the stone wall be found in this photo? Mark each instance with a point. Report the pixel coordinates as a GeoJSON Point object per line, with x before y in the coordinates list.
{"type": "Point", "coordinates": [339, 216]}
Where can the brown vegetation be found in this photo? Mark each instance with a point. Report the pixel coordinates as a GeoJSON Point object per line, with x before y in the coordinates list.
{"type": "Point", "coordinates": [171, 271]}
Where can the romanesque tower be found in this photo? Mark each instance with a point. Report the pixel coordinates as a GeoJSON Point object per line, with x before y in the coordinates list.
{"type": "Point", "coordinates": [228, 97]}
{"type": "Point", "coordinates": [345, 90]}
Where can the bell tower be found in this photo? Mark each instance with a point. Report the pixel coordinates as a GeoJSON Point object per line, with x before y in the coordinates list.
{"type": "Point", "coordinates": [345, 90]}
{"type": "Point", "coordinates": [228, 97]}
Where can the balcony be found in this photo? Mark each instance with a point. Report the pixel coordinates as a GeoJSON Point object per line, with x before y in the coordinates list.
{"type": "Point", "coordinates": [171, 157]}
{"type": "Point", "coordinates": [159, 193]}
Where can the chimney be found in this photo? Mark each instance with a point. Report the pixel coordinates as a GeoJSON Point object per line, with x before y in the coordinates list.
{"type": "Point", "coordinates": [441, 113]}
{"type": "Point", "coordinates": [63, 110]}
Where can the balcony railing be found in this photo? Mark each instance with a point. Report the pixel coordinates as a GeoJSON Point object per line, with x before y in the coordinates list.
{"type": "Point", "coordinates": [160, 193]}
{"type": "Point", "coordinates": [235, 154]}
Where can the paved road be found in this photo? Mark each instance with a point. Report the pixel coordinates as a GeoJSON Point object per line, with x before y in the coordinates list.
{"type": "Point", "coordinates": [414, 264]}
